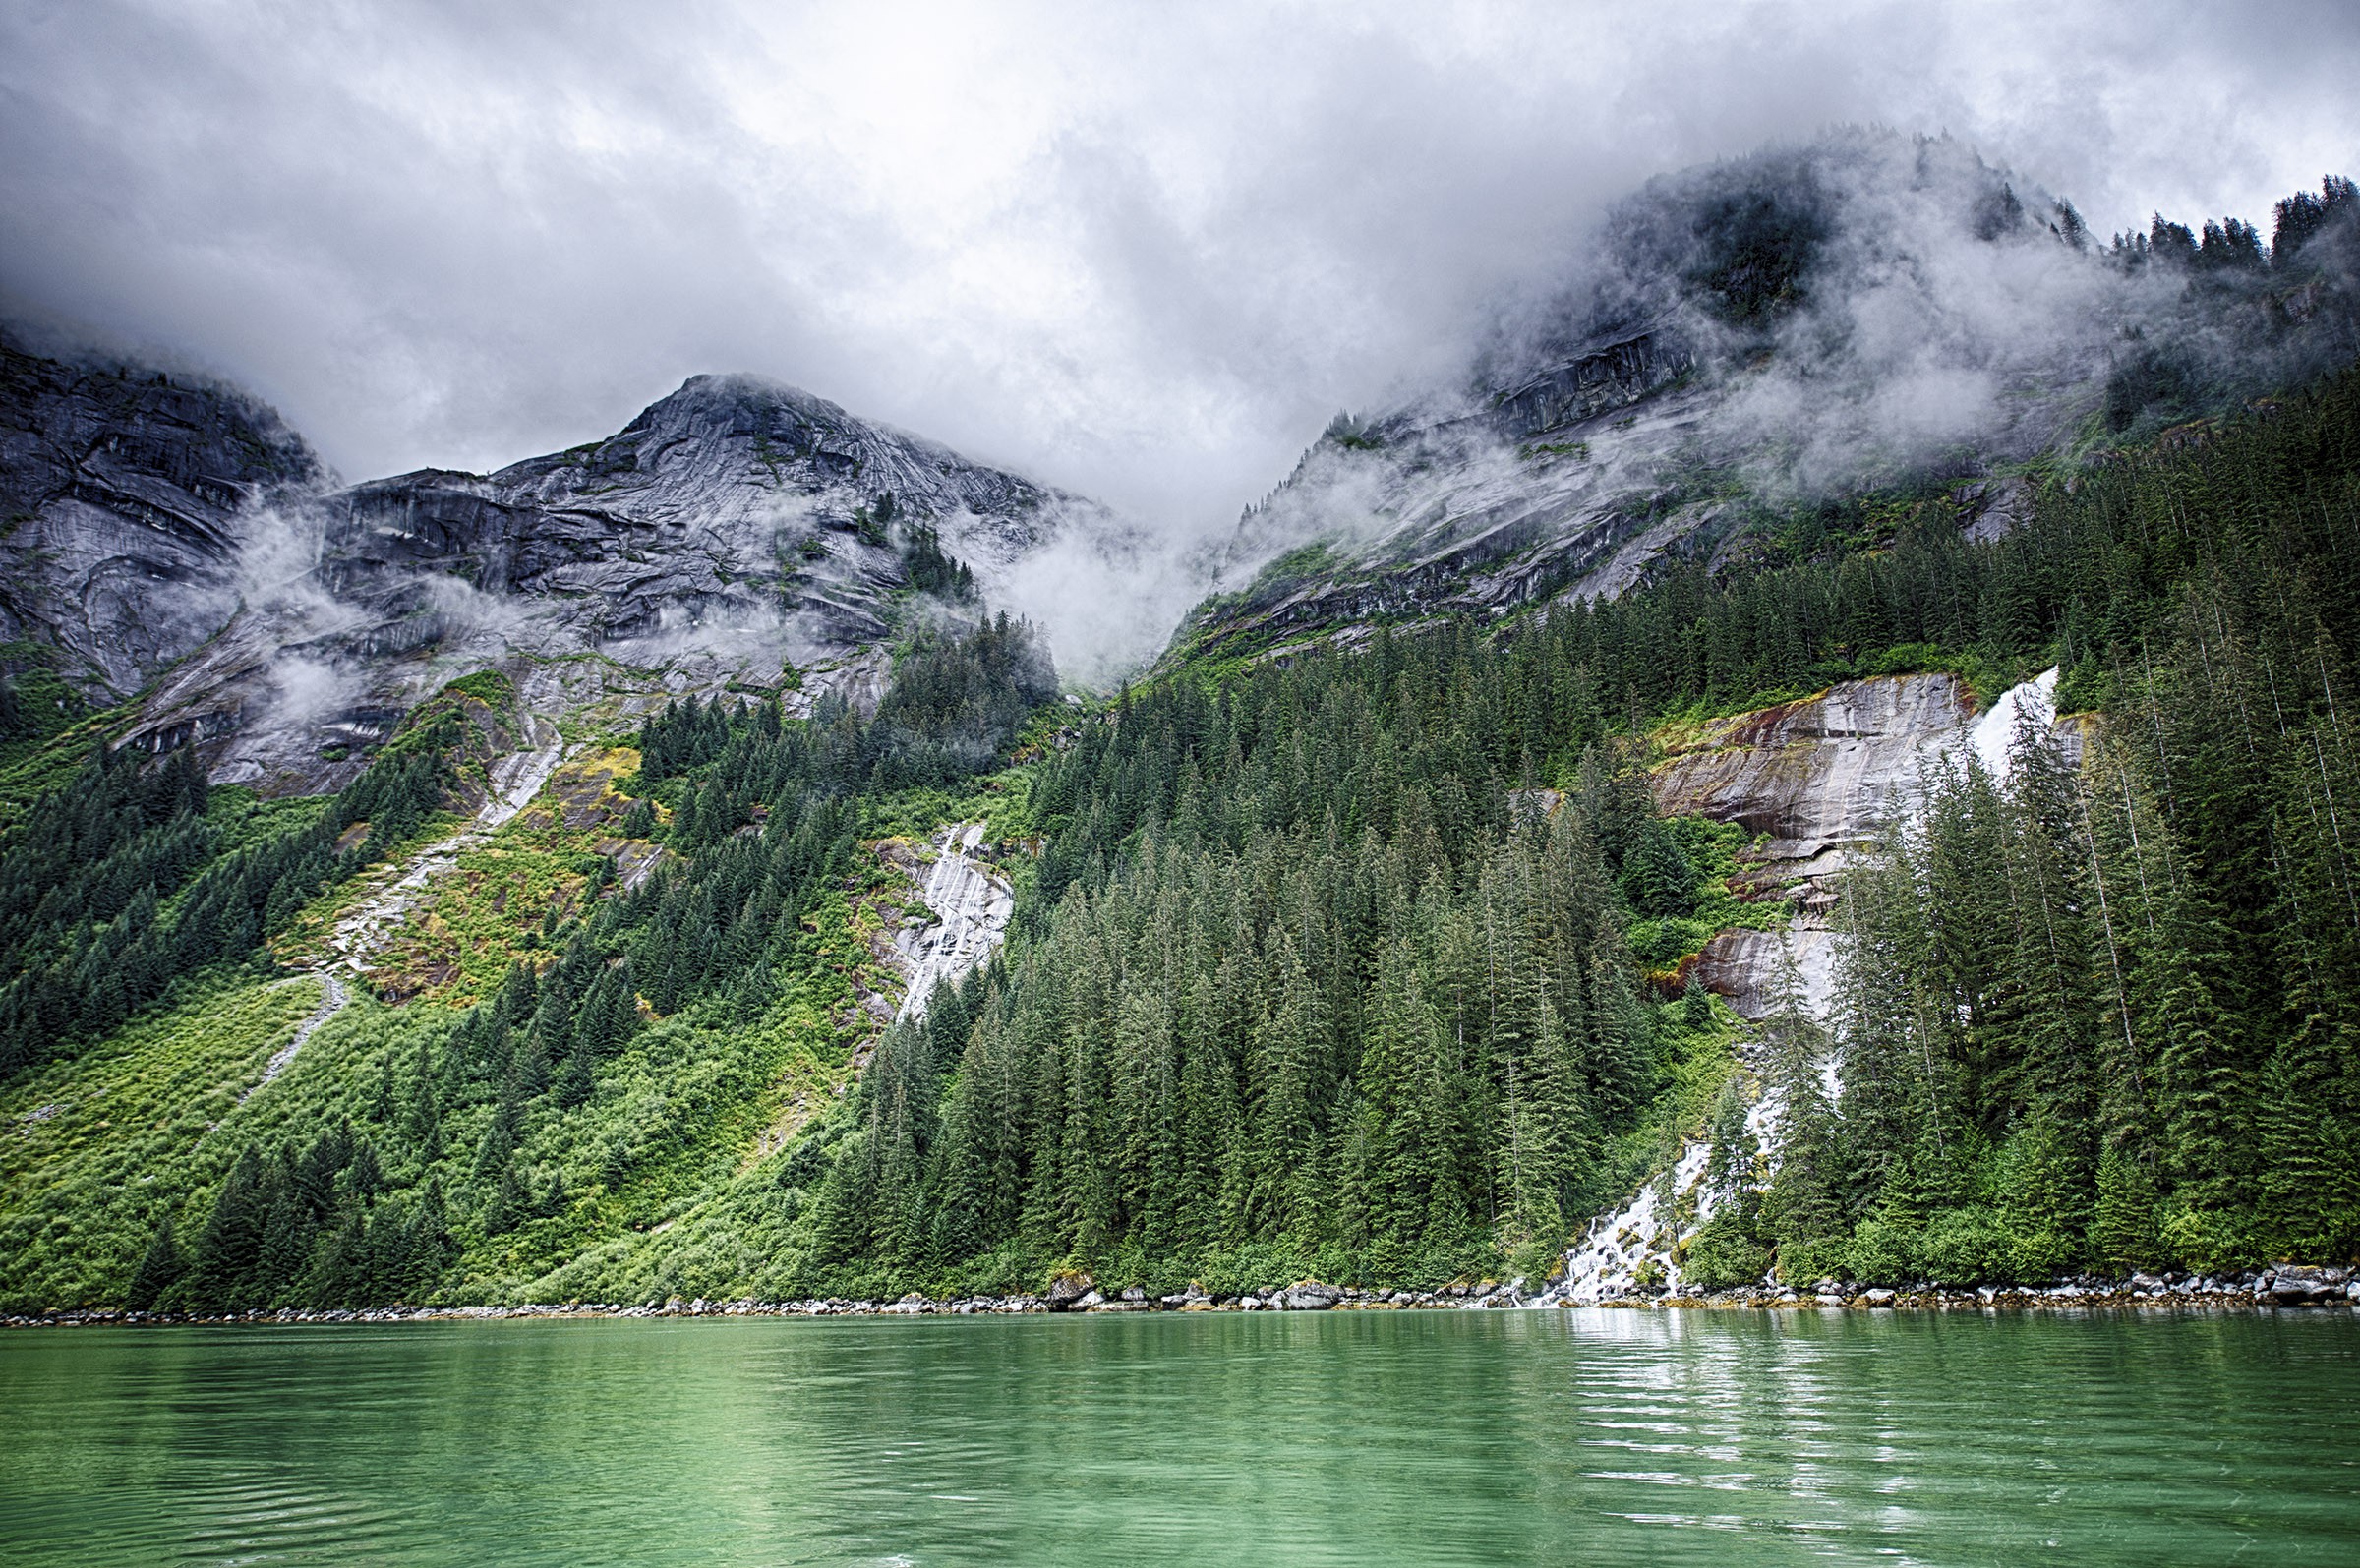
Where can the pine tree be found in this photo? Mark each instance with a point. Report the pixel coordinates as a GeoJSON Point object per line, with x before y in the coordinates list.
{"type": "Point", "coordinates": [160, 1269]}
{"type": "Point", "coordinates": [1803, 1203]}
{"type": "Point", "coordinates": [232, 1238]}
{"type": "Point", "coordinates": [2125, 1235]}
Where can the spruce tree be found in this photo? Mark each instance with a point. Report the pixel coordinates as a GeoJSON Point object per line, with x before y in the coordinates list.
{"type": "Point", "coordinates": [160, 1269]}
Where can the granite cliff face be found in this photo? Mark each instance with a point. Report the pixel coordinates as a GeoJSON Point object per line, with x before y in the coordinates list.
{"type": "Point", "coordinates": [123, 503]}
{"type": "Point", "coordinates": [1474, 506]}
{"type": "Point", "coordinates": [734, 532]}
{"type": "Point", "coordinates": [1820, 780]}
{"type": "Point", "coordinates": [734, 500]}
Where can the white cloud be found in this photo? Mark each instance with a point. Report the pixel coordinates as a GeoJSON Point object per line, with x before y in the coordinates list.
{"type": "Point", "coordinates": [1142, 253]}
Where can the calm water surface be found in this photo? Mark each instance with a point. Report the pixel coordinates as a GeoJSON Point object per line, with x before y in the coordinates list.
{"type": "Point", "coordinates": [1414, 1437]}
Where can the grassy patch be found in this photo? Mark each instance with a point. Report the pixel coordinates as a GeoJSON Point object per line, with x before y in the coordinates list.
{"type": "Point", "coordinates": [95, 1151]}
{"type": "Point", "coordinates": [1001, 802]}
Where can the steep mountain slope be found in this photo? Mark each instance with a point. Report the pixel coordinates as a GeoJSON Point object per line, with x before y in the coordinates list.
{"type": "Point", "coordinates": [739, 529]}
{"type": "Point", "coordinates": [1757, 339]}
{"type": "Point", "coordinates": [122, 496]}
{"type": "Point", "coordinates": [1389, 958]}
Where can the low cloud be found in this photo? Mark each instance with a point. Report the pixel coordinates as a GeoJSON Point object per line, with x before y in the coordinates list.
{"type": "Point", "coordinates": [1141, 254]}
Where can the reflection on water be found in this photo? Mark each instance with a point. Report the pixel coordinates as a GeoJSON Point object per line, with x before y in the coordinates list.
{"type": "Point", "coordinates": [1415, 1438]}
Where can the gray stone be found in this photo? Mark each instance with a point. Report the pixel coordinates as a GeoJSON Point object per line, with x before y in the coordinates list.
{"type": "Point", "coordinates": [1561, 468]}
{"type": "Point", "coordinates": [719, 538]}
{"type": "Point", "coordinates": [125, 501]}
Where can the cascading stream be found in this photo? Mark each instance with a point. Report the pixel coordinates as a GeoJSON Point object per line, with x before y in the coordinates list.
{"type": "Point", "coordinates": [971, 905]}
{"type": "Point", "coordinates": [1606, 1262]}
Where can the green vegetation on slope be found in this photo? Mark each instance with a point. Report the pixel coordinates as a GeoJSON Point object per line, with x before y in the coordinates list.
{"type": "Point", "coordinates": [1296, 982]}
{"type": "Point", "coordinates": [607, 1088]}
{"type": "Point", "coordinates": [120, 885]}
{"type": "Point", "coordinates": [1356, 965]}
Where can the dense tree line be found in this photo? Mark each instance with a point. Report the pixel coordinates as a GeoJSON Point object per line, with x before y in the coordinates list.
{"type": "Point", "coordinates": [313, 1228]}
{"type": "Point", "coordinates": [956, 700]}
{"type": "Point", "coordinates": [929, 570]}
{"type": "Point", "coordinates": [1326, 961]}
{"type": "Point", "coordinates": [1292, 957]}
{"type": "Point", "coordinates": [2104, 1013]}
{"type": "Point", "coordinates": [1304, 975]}
{"type": "Point", "coordinates": [1354, 1048]}
{"type": "Point", "coordinates": [2084, 575]}
{"type": "Point", "coordinates": [767, 824]}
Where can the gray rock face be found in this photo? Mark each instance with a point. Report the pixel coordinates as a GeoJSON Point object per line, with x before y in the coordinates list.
{"type": "Point", "coordinates": [732, 500]}
{"type": "Point", "coordinates": [1823, 778]}
{"type": "Point", "coordinates": [122, 511]}
{"type": "Point", "coordinates": [1819, 775]}
{"type": "Point", "coordinates": [1474, 505]}
{"type": "Point", "coordinates": [734, 529]}
{"type": "Point", "coordinates": [971, 904]}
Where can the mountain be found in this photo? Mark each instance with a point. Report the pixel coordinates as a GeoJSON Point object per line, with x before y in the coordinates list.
{"type": "Point", "coordinates": [1828, 764]}
{"type": "Point", "coordinates": [740, 530]}
{"type": "Point", "coordinates": [1768, 339]}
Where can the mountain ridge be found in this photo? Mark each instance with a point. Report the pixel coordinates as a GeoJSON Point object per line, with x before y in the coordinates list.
{"type": "Point", "coordinates": [1598, 792]}
{"type": "Point", "coordinates": [1868, 313]}
{"type": "Point", "coordinates": [738, 528]}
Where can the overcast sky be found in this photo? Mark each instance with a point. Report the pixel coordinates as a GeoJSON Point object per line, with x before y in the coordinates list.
{"type": "Point", "coordinates": [1142, 251]}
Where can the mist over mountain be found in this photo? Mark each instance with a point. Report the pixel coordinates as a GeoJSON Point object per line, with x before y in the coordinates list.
{"type": "Point", "coordinates": [1816, 753]}
{"type": "Point", "coordinates": [1686, 672]}
{"type": "Point", "coordinates": [129, 499]}
{"type": "Point", "coordinates": [1869, 308]}
{"type": "Point", "coordinates": [176, 536]}
{"type": "Point", "coordinates": [1865, 310]}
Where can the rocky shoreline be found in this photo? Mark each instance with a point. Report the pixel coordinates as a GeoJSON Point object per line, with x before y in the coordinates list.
{"type": "Point", "coordinates": [2284, 1287]}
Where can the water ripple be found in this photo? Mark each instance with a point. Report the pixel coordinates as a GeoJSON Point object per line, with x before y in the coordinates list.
{"type": "Point", "coordinates": [1304, 1438]}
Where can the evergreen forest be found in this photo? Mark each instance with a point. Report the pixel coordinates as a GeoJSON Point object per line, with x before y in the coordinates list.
{"type": "Point", "coordinates": [1369, 962]}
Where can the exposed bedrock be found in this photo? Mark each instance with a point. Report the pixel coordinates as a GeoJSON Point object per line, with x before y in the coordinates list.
{"type": "Point", "coordinates": [1824, 778]}
{"type": "Point", "coordinates": [971, 902]}
{"type": "Point", "coordinates": [122, 511]}
{"type": "Point", "coordinates": [734, 529]}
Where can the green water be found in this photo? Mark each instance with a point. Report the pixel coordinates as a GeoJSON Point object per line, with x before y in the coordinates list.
{"type": "Point", "coordinates": [1424, 1437]}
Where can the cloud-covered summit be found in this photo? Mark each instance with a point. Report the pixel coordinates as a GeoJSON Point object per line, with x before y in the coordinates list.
{"type": "Point", "coordinates": [1143, 255]}
{"type": "Point", "coordinates": [1864, 310]}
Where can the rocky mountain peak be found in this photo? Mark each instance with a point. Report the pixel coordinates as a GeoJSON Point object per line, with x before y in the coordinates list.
{"type": "Point", "coordinates": [739, 529]}
{"type": "Point", "coordinates": [1869, 311]}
